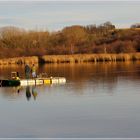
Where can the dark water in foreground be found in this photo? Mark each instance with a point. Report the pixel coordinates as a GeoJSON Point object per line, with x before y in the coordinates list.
{"type": "Point", "coordinates": [98, 100]}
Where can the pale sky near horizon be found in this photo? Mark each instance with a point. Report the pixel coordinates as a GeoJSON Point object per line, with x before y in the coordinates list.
{"type": "Point", "coordinates": [56, 15]}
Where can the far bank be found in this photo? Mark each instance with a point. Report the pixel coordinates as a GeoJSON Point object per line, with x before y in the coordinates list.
{"type": "Point", "coordinates": [76, 58]}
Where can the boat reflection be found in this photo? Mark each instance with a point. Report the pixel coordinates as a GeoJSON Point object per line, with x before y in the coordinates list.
{"type": "Point", "coordinates": [19, 90]}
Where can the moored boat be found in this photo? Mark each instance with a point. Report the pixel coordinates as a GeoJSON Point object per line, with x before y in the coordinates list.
{"type": "Point", "coordinates": [41, 80]}
{"type": "Point", "coordinates": [9, 82]}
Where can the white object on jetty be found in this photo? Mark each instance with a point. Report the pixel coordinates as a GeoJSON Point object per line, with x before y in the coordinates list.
{"type": "Point", "coordinates": [25, 82]}
{"type": "Point", "coordinates": [58, 80]}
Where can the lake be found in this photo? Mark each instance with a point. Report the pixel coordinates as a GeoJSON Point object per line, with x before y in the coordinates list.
{"type": "Point", "coordinates": [99, 100]}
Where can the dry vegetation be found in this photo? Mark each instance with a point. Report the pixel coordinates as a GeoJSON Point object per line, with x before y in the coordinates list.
{"type": "Point", "coordinates": [15, 42]}
{"type": "Point", "coordinates": [19, 60]}
{"type": "Point", "coordinates": [81, 58]}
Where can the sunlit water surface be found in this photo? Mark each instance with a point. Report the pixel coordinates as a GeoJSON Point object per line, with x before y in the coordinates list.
{"type": "Point", "coordinates": [99, 100]}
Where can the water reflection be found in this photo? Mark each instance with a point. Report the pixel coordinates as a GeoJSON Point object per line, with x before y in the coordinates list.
{"type": "Point", "coordinates": [31, 91]}
{"type": "Point", "coordinates": [17, 89]}
{"type": "Point", "coordinates": [29, 94]}
{"type": "Point", "coordinates": [80, 77]}
{"type": "Point", "coordinates": [34, 92]}
{"type": "Point", "coordinates": [98, 100]}
{"type": "Point", "coordinates": [17, 92]}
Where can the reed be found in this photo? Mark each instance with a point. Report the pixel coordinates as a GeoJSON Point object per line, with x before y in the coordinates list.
{"type": "Point", "coordinates": [19, 60]}
{"type": "Point", "coordinates": [80, 58]}
{"type": "Point", "coordinates": [75, 58]}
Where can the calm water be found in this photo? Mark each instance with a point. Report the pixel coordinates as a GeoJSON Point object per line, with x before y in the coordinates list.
{"type": "Point", "coordinates": [98, 100]}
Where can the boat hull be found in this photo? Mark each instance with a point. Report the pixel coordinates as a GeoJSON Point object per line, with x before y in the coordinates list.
{"type": "Point", "coordinates": [9, 83]}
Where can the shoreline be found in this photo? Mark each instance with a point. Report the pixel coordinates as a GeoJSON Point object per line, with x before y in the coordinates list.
{"type": "Point", "coordinates": [75, 58]}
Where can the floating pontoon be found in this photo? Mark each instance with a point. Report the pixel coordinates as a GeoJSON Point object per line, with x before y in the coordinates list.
{"type": "Point", "coordinates": [43, 81]}
{"type": "Point", "coordinates": [36, 81]}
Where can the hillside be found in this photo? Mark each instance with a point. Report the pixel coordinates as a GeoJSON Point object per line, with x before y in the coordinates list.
{"type": "Point", "coordinates": [105, 38]}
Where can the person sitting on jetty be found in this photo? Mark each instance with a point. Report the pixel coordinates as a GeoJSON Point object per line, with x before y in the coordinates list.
{"type": "Point", "coordinates": [27, 71]}
{"type": "Point", "coordinates": [17, 76]}
{"type": "Point", "coordinates": [33, 69]}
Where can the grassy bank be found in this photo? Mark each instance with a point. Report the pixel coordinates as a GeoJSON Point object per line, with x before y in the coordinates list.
{"type": "Point", "coordinates": [76, 58]}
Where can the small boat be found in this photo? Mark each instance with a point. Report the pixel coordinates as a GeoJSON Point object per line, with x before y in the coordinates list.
{"type": "Point", "coordinates": [9, 83]}
{"type": "Point", "coordinates": [41, 80]}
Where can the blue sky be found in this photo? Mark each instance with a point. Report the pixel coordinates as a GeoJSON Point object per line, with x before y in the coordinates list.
{"type": "Point", "coordinates": [58, 14]}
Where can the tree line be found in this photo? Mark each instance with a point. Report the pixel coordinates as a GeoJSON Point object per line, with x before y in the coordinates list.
{"type": "Point", "coordinates": [104, 38]}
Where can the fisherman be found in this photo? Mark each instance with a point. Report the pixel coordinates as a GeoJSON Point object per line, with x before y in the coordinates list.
{"type": "Point", "coordinates": [27, 71]}
{"type": "Point", "coordinates": [33, 71]}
